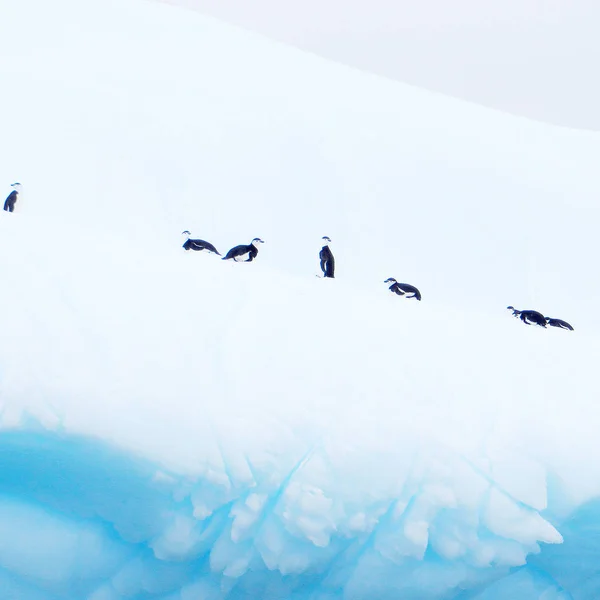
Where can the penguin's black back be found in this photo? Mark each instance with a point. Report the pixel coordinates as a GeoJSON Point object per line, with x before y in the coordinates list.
{"type": "Point", "coordinates": [559, 323]}
{"type": "Point", "coordinates": [9, 203]}
{"type": "Point", "coordinates": [405, 288]}
{"type": "Point", "coordinates": [241, 250]}
{"type": "Point", "coordinates": [327, 262]}
{"type": "Point", "coordinates": [199, 245]}
{"type": "Point", "coordinates": [534, 316]}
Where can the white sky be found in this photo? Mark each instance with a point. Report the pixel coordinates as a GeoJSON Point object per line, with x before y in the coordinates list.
{"type": "Point", "coordinates": [537, 58]}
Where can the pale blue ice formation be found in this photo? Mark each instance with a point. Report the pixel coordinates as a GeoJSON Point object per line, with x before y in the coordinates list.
{"type": "Point", "coordinates": [81, 519]}
{"type": "Point", "coordinates": [176, 427]}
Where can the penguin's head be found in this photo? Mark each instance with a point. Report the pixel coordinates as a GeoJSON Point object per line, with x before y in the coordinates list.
{"type": "Point", "coordinates": [510, 307]}
{"type": "Point", "coordinates": [257, 241]}
{"type": "Point", "coordinates": [390, 280]}
{"type": "Point", "coordinates": [17, 186]}
{"type": "Point", "coordinates": [326, 240]}
{"type": "Point", "coordinates": [186, 234]}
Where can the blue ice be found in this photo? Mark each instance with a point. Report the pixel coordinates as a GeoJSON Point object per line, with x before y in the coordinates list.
{"type": "Point", "coordinates": [82, 519]}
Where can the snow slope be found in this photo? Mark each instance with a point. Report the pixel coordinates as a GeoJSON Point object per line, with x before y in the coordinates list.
{"type": "Point", "coordinates": [181, 428]}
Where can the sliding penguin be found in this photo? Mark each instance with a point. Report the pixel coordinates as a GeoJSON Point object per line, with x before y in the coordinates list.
{"type": "Point", "coordinates": [559, 323]}
{"type": "Point", "coordinates": [529, 317]}
{"type": "Point", "coordinates": [327, 260]}
{"type": "Point", "coordinates": [198, 245]}
{"type": "Point", "coordinates": [244, 252]}
{"type": "Point", "coordinates": [403, 289]}
{"type": "Point", "coordinates": [9, 203]}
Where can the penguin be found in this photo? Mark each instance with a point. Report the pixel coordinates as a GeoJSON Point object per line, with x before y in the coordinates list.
{"type": "Point", "coordinates": [326, 258]}
{"type": "Point", "coordinates": [244, 252]}
{"type": "Point", "coordinates": [559, 323]}
{"type": "Point", "coordinates": [515, 312]}
{"type": "Point", "coordinates": [403, 288]}
{"type": "Point", "coordinates": [529, 317]}
{"type": "Point", "coordinates": [9, 203]}
{"type": "Point", "coordinates": [198, 245]}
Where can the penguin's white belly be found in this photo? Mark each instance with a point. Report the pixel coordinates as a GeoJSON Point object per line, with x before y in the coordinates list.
{"type": "Point", "coordinates": [242, 257]}
{"type": "Point", "coordinates": [530, 322]}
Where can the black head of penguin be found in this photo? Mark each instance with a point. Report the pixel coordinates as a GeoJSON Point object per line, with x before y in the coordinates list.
{"type": "Point", "coordinates": [390, 280]}
{"type": "Point", "coordinates": [186, 239]}
{"type": "Point", "coordinates": [326, 240]}
{"type": "Point", "coordinates": [256, 241]}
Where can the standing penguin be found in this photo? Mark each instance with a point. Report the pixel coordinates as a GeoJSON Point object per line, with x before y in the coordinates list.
{"type": "Point", "coordinates": [244, 252]}
{"type": "Point", "coordinates": [9, 203]}
{"type": "Point", "coordinates": [327, 260]}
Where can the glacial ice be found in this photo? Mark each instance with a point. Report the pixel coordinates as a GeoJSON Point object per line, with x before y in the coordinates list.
{"type": "Point", "coordinates": [175, 427]}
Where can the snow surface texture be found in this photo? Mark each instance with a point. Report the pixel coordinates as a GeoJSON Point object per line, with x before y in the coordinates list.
{"type": "Point", "coordinates": [177, 427]}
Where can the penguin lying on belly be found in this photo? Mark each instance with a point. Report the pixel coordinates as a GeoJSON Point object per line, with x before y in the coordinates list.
{"type": "Point", "coordinates": [197, 245]}
{"type": "Point", "coordinates": [244, 252]}
{"type": "Point", "coordinates": [403, 289]}
{"type": "Point", "coordinates": [529, 317]}
{"type": "Point", "coordinates": [559, 323]}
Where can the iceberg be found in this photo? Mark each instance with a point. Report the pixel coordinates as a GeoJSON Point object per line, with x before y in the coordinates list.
{"type": "Point", "coordinates": [177, 427]}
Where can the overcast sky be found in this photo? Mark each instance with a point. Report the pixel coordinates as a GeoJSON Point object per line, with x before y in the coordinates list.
{"type": "Point", "coordinates": [537, 58]}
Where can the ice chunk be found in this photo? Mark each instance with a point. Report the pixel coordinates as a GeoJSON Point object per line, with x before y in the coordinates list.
{"type": "Point", "coordinates": [506, 518]}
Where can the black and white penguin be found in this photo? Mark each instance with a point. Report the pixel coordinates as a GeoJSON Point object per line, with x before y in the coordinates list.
{"type": "Point", "coordinates": [529, 317]}
{"type": "Point", "coordinates": [9, 203]}
{"type": "Point", "coordinates": [197, 244]}
{"type": "Point", "coordinates": [559, 323]}
{"type": "Point", "coordinates": [244, 252]}
{"type": "Point", "coordinates": [403, 289]}
{"type": "Point", "coordinates": [326, 258]}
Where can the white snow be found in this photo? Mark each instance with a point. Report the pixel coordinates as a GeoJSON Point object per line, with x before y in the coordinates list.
{"type": "Point", "coordinates": [175, 426]}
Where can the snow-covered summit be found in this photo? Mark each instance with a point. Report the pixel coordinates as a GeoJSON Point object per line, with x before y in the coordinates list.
{"type": "Point", "coordinates": [178, 427]}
